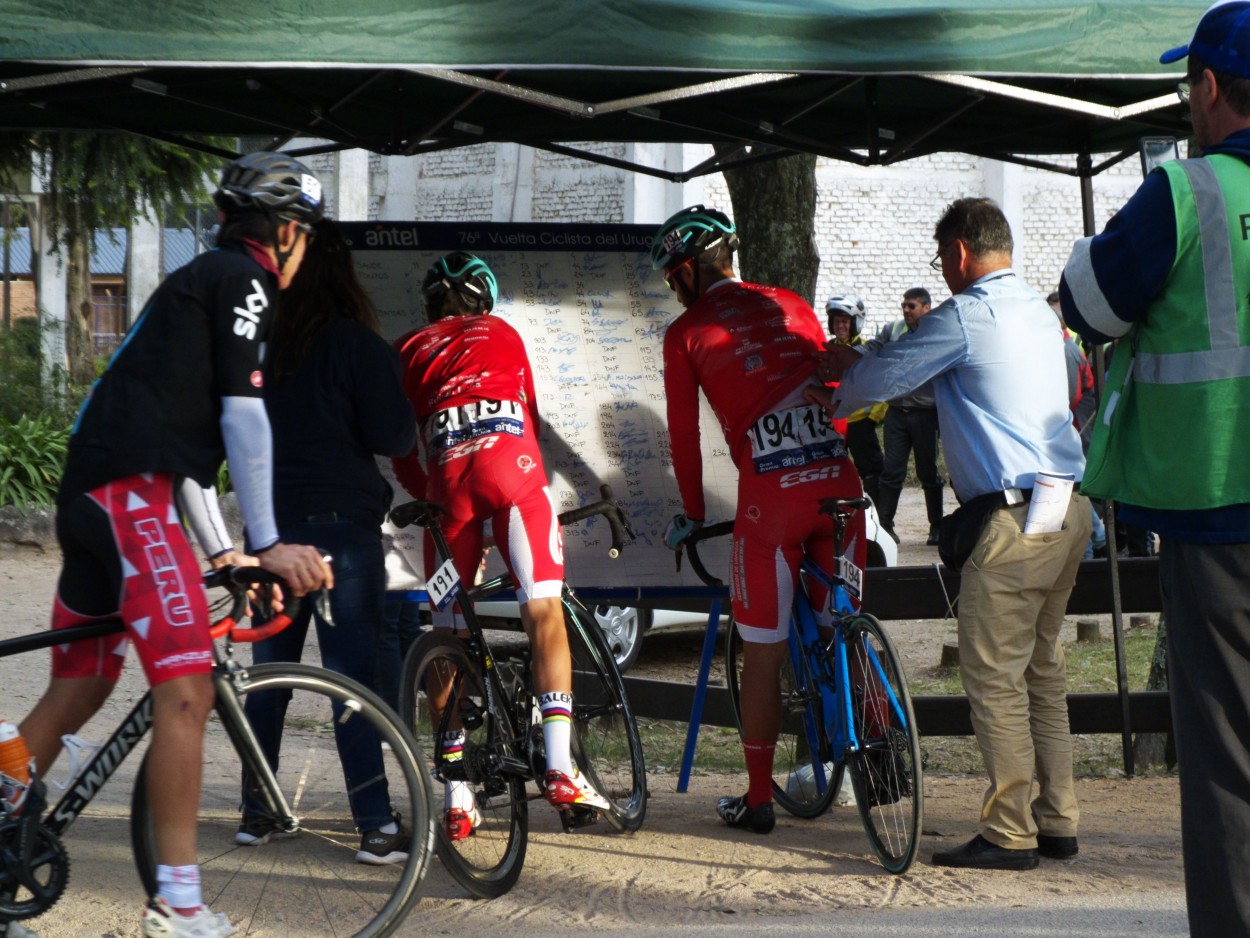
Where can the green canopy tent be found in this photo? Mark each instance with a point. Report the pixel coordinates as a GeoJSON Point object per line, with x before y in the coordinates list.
{"type": "Point", "coordinates": [869, 81]}
{"type": "Point", "coordinates": [1049, 83]}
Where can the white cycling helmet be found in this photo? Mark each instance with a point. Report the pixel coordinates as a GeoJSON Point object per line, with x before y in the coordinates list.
{"type": "Point", "coordinates": [847, 304]}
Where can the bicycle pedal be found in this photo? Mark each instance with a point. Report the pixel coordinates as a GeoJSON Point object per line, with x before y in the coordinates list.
{"type": "Point", "coordinates": [574, 816]}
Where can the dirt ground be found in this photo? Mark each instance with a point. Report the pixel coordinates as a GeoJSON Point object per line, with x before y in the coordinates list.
{"type": "Point", "coordinates": [685, 872]}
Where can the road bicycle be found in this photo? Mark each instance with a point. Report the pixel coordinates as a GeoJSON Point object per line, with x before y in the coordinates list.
{"type": "Point", "coordinates": [844, 703]}
{"type": "Point", "coordinates": [304, 796]}
{"type": "Point", "coordinates": [469, 681]}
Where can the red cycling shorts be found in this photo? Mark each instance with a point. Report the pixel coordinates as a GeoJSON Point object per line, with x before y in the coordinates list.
{"type": "Point", "coordinates": [500, 478]}
{"type": "Point", "coordinates": [778, 523]}
{"type": "Point", "coordinates": [126, 554]}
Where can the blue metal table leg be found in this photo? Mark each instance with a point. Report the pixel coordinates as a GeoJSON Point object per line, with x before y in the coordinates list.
{"type": "Point", "coordinates": [700, 692]}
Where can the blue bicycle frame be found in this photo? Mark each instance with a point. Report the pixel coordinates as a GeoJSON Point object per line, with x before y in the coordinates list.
{"type": "Point", "coordinates": [809, 657]}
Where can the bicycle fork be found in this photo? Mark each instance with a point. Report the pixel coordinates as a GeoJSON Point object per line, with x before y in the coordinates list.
{"type": "Point", "coordinates": [261, 783]}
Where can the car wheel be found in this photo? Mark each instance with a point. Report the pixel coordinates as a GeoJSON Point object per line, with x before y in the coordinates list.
{"type": "Point", "coordinates": [623, 627]}
{"type": "Point", "coordinates": [876, 557]}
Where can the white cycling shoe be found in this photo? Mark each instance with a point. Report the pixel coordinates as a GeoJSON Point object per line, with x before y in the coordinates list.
{"type": "Point", "coordinates": [161, 921]}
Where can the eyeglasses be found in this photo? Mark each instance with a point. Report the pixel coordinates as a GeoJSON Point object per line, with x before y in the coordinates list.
{"type": "Point", "coordinates": [936, 263]}
{"type": "Point", "coordinates": [1182, 92]}
{"type": "Point", "coordinates": [670, 276]}
{"type": "Point", "coordinates": [310, 233]}
{"type": "Point", "coordinates": [912, 305]}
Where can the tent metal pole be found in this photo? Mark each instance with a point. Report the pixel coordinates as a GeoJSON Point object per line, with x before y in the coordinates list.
{"type": "Point", "coordinates": [1085, 172]}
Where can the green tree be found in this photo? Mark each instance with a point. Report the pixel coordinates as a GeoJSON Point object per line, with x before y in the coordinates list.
{"type": "Point", "coordinates": [97, 181]}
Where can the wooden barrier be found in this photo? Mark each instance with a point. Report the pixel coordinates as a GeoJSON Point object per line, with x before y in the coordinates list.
{"type": "Point", "coordinates": [900, 593]}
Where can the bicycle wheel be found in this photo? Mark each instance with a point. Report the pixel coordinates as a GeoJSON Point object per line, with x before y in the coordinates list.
{"type": "Point", "coordinates": [606, 744]}
{"type": "Point", "coordinates": [886, 770]}
{"type": "Point", "coordinates": [313, 868]}
{"type": "Point", "coordinates": [442, 687]}
{"type": "Point", "coordinates": [805, 776]}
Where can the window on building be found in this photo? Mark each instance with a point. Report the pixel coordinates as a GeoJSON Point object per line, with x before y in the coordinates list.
{"type": "Point", "coordinates": [108, 315]}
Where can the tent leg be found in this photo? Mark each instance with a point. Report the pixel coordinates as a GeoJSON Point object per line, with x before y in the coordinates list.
{"type": "Point", "coordinates": [1084, 169]}
{"type": "Point", "coordinates": [700, 694]}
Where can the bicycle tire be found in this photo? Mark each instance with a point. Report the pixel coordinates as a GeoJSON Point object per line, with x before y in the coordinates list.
{"type": "Point", "coordinates": [887, 769]}
{"type": "Point", "coordinates": [606, 744]}
{"type": "Point", "coordinates": [316, 865]}
{"type": "Point", "coordinates": [488, 862]}
{"type": "Point", "coordinates": [804, 783]}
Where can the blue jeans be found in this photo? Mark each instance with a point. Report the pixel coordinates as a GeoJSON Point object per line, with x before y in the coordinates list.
{"type": "Point", "coordinates": [349, 646]}
{"type": "Point", "coordinates": [401, 625]}
{"type": "Point", "coordinates": [1097, 540]}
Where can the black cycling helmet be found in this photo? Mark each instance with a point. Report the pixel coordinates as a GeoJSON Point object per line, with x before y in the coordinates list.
{"type": "Point", "coordinates": [689, 233]}
{"type": "Point", "coordinates": [468, 275]}
{"type": "Point", "coordinates": [846, 304]}
{"type": "Point", "coordinates": [272, 183]}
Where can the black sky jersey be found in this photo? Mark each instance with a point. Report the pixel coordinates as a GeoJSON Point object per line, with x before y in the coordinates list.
{"type": "Point", "coordinates": [157, 408]}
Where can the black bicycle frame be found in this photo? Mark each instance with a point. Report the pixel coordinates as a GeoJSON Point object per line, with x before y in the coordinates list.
{"type": "Point", "coordinates": [101, 767]}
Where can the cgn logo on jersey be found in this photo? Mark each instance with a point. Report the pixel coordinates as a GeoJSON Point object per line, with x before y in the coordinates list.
{"type": "Point", "coordinates": [247, 316]}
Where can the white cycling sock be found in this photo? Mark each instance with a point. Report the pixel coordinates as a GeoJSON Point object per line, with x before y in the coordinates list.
{"type": "Point", "coordinates": [557, 710]}
{"type": "Point", "coordinates": [458, 795]}
{"type": "Point", "coordinates": [179, 886]}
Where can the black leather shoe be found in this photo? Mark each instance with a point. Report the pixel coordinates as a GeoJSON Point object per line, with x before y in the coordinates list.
{"type": "Point", "coordinates": [933, 537]}
{"type": "Point", "coordinates": [980, 854]}
{"type": "Point", "coordinates": [1057, 848]}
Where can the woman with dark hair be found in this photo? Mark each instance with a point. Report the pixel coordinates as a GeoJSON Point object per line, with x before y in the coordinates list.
{"type": "Point", "coordinates": [335, 400]}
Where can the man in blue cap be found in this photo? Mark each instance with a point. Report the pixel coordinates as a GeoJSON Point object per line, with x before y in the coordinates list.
{"type": "Point", "coordinates": [1170, 275]}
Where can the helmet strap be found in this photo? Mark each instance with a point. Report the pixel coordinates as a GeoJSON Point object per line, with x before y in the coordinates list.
{"type": "Point", "coordinates": [276, 225]}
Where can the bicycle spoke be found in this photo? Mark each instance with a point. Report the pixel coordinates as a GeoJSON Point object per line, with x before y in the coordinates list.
{"type": "Point", "coordinates": [315, 867]}
{"type": "Point", "coordinates": [886, 770]}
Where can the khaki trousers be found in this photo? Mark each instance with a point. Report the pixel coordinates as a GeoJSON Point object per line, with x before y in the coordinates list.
{"type": "Point", "coordinates": [1012, 598]}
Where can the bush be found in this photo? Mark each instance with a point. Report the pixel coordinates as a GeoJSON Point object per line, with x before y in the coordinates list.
{"type": "Point", "coordinates": [32, 457]}
{"type": "Point", "coordinates": [22, 384]}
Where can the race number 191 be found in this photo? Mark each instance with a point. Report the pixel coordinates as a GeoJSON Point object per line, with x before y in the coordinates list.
{"type": "Point", "coordinates": [443, 585]}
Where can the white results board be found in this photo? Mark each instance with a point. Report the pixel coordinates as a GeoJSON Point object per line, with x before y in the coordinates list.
{"type": "Point", "coordinates": [592, 313]}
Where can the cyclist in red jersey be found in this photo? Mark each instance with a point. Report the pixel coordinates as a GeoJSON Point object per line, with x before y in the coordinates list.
{"type": "Point", "coordinates": [182, 393]}
{"type": "Point", "coordinates": [751, 349]}
{"type": "Point", "coordinates": [470, 382]}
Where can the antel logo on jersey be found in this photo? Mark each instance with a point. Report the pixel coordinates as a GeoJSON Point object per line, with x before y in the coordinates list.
{"type": "Point", "coordinates": [247, 316]}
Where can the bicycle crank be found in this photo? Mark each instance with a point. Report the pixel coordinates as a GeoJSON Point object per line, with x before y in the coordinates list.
{"type": "Point", "coordinates": [34, 869]}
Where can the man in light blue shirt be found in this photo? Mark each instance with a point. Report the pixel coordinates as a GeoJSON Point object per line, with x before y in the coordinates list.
{"type": "Point", "coordinates": [994, 356]}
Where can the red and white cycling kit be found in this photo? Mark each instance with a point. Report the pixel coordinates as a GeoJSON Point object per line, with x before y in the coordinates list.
{"type": "Point", "coordinates": [153, 418]}
{"type": "Point", "coordinates": [471, 385]}
{"type": "Point", "coordinates": [752, 349]}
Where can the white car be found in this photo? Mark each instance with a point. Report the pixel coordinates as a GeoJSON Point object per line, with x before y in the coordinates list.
{"type": "Point", "coordinates": [625, 626]}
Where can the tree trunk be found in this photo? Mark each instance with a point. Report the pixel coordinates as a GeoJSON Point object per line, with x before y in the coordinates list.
{"type": "Point", "coordinates": [79, 345]}
{"type": "Point", "coordinates": [774, 208]}
{"type": "Point", "coordinates": [1156, 749]}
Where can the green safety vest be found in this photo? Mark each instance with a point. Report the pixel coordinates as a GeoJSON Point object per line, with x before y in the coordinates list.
{"type": "Point", "coordinates": [1173, 429]}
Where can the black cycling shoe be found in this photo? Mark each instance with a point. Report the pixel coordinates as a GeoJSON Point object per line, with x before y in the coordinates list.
{"type": "Point", "coordinates": [736, 813]}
